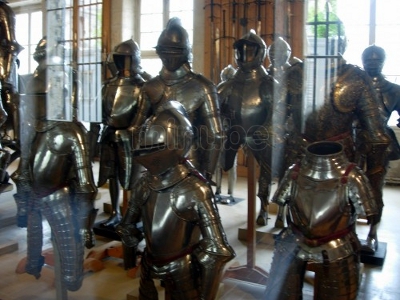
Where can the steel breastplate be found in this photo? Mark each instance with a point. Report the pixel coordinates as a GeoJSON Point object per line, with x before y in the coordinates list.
{"type": "Point", "coordinates": [120, 103]}
{"type": "Point", "coordinates": [319, 208]}
{"type": "Point", "coordinates": [50, 162]}
{"type": "Point", "coordinates": [246, 106]}
{"type": "Point", "coordinates": [169, 220]}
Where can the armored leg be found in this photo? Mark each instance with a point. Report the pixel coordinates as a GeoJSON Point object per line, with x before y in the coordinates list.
{"type": "Point", "coordinates": [65, 226]}
{"type": "Point", "coordinates": [180, 278]}
{"type": "Point", "coordinates": [338, 280]}
{"type": "Point", "coordinates": [34, 259]}
{"type": "Point", "coordinates": [286, 276]}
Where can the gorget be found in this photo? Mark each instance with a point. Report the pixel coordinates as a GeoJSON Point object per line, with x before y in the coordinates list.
{"type": "Point", "coordinates": [169, 178]}
{"type": "Point", "coordinates": [324, 167]}
{"type": "Point", "coordinates": [178, 76]}
{"type": "Point", "coordinates": [253, 75]}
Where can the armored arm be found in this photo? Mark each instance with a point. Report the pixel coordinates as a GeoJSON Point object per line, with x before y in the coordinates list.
{"type": "Point", "coordinates": [213, 250]}
{"type": "Point", "coordinates": [212, 134]}
{"type": "Point", "coordinates": [283, 193]}
{"type": "Point", "coordinates": [126, 229]}
{"type": "Point", "coordinates": [143, 112]}
{"type": "Point", "coordinates": [361, 193]}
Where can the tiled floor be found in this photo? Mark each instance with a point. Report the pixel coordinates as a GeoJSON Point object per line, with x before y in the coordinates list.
{"type": "Point", "coordinates": [113, 282]}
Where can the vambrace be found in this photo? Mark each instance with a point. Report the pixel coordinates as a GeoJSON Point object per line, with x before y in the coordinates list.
{"type": "Point", "coordinates": [213, 251]}
{"type": "Point", "coordinates": [212, 135]}
{"type": "Point", "coordinates": [126, 229]}
{"type": "Point", "coordinates": [361, 193]}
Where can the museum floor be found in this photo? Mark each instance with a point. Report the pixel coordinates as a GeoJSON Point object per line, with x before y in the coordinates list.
{"type": "Point", "coordinates": [113, 282]}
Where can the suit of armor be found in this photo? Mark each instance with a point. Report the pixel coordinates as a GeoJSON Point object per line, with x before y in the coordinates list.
{"type": "Point", "coordinates": [120, 103]}
{"type": "Point", "coordinates": [227, 73]}
{"type": "Point", "coordinates": [8, 83]}
{"type": "Point", "coordinates": [186, 246]}
{"type": "Point", "coordinates": [57, 181]}
{"type": "Point", "coordinates": [322, 193]}
{"type": "Point", "coordinates": [176, 81]}
{"type": "Point", "coordinates": [287, 72]}
{"type": "Point", "coordinates": [388, 94]}
{"type": "Point", "coordinates": [353, 98]}
{"type": "Point", "coordinates": [247, 107]}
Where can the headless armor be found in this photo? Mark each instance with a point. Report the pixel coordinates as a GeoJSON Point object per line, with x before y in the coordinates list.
{"type": "Point", "coordinates": [323, 194]}
{"type": "Point", "coordinates": [199, 97]}
{"type": "Point", "coordinates": [63, 190]}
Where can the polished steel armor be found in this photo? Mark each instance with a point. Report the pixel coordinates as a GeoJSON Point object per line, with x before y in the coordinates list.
{"type": "Point", "coordinates": [9, 117]}
{"type": "Point", "coordinates": [247, 107]}
{"type": "Point", "coordinates": [120, 103]}
{"type": "Point", "coordinates": [186, 246]}
{"type": "Point", "coordinates": [55, 180]}
{"type": "Point", "coordinates": [177, 81]}
{"type": "Point", "coordinates": [228, 72]}
{"type": "Point", "coordinates": [323, 194]}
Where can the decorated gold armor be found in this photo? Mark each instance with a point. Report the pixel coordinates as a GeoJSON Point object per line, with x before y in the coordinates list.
{"type": "Point", "coordinates": [352, 99]}
{"type": "Point", "coordinates": [177, 81]}
{"type": "Point", "coordinates": [120, 103]}
{"type": "Point", "coordinates": [247, 106]}
{"type": "Point", "coordinates": [322, 193]}
{"type": "Point", "coordinates": [57, 182]}
{"type": "Point", "coordinates": [186, 246]}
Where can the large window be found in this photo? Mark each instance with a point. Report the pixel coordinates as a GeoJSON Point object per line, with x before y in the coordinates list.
{"type": "Point", "coordinates": [154, 15]}
{"type": "Point", "coordinates": [361, 23]}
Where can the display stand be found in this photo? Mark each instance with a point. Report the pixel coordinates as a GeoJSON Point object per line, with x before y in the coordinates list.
{"type": "Point", "coordinates": [377, 258]}
{"type": "Point", "coordinates": [250, 272]}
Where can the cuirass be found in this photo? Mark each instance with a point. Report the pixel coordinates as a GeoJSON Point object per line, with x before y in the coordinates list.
{"type": "Point", "coordinates": [120, 102]}
{"type": "Point", "coordinates": [191, 90]}
{"type": "Point", "coordinates": [248, 102]}
{"type": "Point", "coordinates": [51, 159]}
{"type": "Point", "coordinates": [319, 208]}
{"type": "Point", "coordinates": [169, 220]}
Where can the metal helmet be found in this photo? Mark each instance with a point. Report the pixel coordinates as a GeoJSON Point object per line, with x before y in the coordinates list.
{"type": "Point", "coordinates": [173, 46]}
{"type": "Point", "coordinates": [165, 138]}
{"type": "Point", "coordinates": [279, 52]}
{"type": "Point", "coordinates": [40, 51]}
{"type": "Point", "coordinates": [250, 51]}
{"type": "Point", "coordinates": [228, 72]}
{"type": "Point", "coordinates": [373, 59]}
{"type": "Point", "coordinates": [126, 58]}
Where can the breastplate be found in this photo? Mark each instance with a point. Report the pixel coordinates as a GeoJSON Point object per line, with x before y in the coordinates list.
{"type": "Point", "coordinates": [50, 162]}
{"type": "Point", "coordinates": [246, 106]}
{"type": "Point", "coordinates": [168, 228]}
{"type": "Point", "coordinates": [120, 103]}
{"type": "Point", "coordinates": [319, 208]}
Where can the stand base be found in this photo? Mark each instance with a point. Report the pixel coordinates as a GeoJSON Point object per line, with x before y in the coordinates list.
{"type": "Point", "coordinates": [254, 275]}
{"type": "Point", "coordinates": [377, 258]}
{"type": "Point", "coordinates": [265, 237]}
{"type": "Point", "coordinates": [107, 232]}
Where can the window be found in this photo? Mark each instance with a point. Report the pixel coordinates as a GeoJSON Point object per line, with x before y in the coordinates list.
{"type": "Point", "coordinates": [154, 15]}
{"type": "Point", "coordinates": [364, 22]}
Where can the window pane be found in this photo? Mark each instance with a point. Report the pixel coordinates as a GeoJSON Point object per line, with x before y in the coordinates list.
{"type": "Point", "coordinates": [22, 22]}
{"type": "Point", "coordinates": [179, 5]}
{"type": "Point", "coordinates": [151, 7]}
{"type": "Point", "coordinates": [152, 65]}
